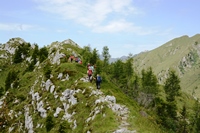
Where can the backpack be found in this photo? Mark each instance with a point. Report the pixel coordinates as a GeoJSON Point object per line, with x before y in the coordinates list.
{"type": "Point", "coordinates": [89, 72]}
{"type": "Point", "coordinates": [98, 78]}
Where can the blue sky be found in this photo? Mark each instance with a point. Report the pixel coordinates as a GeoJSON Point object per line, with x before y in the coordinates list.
{"type": "Point", "coordinates": [125, 26]}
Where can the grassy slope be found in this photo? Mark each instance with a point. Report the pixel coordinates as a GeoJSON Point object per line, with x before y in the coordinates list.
{"type": "Point", "coordinates": [136, 121]}
{"type": "Point", "coordinates": [76, 71]}
{"type": "Point", "coordinates": [168, 56]}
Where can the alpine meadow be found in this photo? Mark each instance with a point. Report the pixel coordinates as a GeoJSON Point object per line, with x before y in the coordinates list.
{"type": "Point", "coordinates": [47, 89]}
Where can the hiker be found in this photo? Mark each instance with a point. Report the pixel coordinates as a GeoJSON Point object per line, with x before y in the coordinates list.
{"type": "Point", "coordinates": [71, 58]}
{"type": "Point", "coordinates": [80, 62]}
{"type": "Point", "coordinates": [92, 68]}
{"type": "Point", "coordinates": [77, 59]}
{"type": "Point", "coordinates": [88, 66]}
{"type": "Point", "coordinates": [89, 72]}
{"type": "Point", "coordinates": [98, 81]}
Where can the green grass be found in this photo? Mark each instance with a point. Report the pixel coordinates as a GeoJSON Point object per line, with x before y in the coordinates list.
{"type": "Point", "coordinates": [169, 55]}
{"type": "Point", "coordinates": [106, 121]}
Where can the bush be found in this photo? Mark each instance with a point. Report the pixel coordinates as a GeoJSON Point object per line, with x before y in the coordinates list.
{"type": "Point", "coordinates": [43, 54]}
{"type": "Point", "coordinates": [22, 50]}
{"type": "Point", "coordinates": [47, 71]}
{"type": "Point", "coordinates": [64, 127]}
{"type": "Point", "coordinates": [1, 91]}
{"type": "Point", "coordinates": [12, 76]}
{"type": "Point", "coordinates": [49, 123]}
{"type": "Point", "coordinates": [21, 97]}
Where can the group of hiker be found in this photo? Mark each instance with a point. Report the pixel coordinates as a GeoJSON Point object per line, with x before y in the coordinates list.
{"type": "Point", "coordinates": [90, 72]}
{"type": "Point", "coordinates": [76, 59]}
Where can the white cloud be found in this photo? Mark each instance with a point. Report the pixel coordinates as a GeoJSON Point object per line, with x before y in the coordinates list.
{"type": "Point", "coordinates": [114, 26]}
{"type": "Point", "coordinates": [15, 27]}
{"type": "Point", "coordinates": [123, 26]}
{"type": "Point", "coordinates": [95, 13]}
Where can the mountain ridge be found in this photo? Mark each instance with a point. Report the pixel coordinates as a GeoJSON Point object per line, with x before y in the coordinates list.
{"type": "Point", "coordinates": [41, 90]}
{"type": "Point", "coordinates": [57, 91]}
{"type": "Point", "coordinates": [181, 54]}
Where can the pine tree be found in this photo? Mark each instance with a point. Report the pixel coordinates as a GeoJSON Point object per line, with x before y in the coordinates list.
{"type": "Point", "coordinates": [172, 89]}
{"type": "Point", "coordinates": [172, 86]}
{"type": "Point", "coordinates": [117, 70]}
{"type": "Point", "coordinates": [129, 66]}
{"type": "Point", "coordinates": [43, 54]}
{"type": "Point", "coordinates": [106, 55]}
{"type": "Point", "coordinates": [35, 54]}
{"type": "Point", "coordinates": [149, 81]}
{"type": "Point", "coordinates": [86, 53]}
{"type": "Point", "coordinates": [18, 55]}
{"type": "Point", "coordinates": [22, 50]}
{"type": "Point", "coordinates": [195, 119]}
{"type": "Point", "coordinates": [98, 66]}
{"type": "Point", "coordinates": [94, 57]}
{"type": "Point", "coordinates": [183, 125]}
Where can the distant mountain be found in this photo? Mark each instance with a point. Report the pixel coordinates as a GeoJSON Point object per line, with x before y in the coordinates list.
{"type": "Point", "coordinates": [123, 58]}
{"type": "Point", "coordinates": [181, 54]}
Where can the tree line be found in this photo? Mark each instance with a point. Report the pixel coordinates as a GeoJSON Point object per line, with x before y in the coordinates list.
{"type": "Point", "coordinates": [144, 88]}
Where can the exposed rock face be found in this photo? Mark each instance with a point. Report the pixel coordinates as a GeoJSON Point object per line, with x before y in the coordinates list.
{"type": "Point", "coordinates": [58, 110]}
{"type": "Point", "coordinates": [55, 58]}
{"type": "Point", "coordinates": [28, 120]}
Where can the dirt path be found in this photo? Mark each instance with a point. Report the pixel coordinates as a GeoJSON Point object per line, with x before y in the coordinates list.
{"type": "Point", "coordinates": [121, 110]}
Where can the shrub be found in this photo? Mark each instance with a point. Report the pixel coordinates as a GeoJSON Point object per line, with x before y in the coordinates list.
{"type": "Point", "coordinates": [49, 123]}
{"type": "Point", "coordinates": [12, 76]}
{"type": "Point", "coordinates": [64, 127]}
{"type": "Point", "coordinates": [47, 71]}
{"type": "Point", "coordinates": [43, 54]}
{"type": "Point", "coordinates": [1, 91]}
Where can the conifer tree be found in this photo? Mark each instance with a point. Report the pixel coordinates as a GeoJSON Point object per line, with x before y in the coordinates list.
{"type": "Point", "coordinates": [34, 59]}
{"type": "Point", "coordinates": [149, 81]}
{"type": "Point", "coordinates": [135, 86]}
{"type": "Point", "coordinates": [94, 57]}
{"type": "Point", "coordinates": [106, 55]}
{"type": "Point", "coordinates": [183, 125]}
{"type": "Point", "coordinates": [117, 70]}
{"type": "Point", "coordinates": [98, 66]}
{"type": "Point", "coordinates": [172, 89]}
{"type": "Point", "coordinates": [119, 76]}
{"type": "Point", "coordinates": [129, 66]}
{"type": "Point", "coordinates": [35, 54]}
{"type": "Point", "coordinates": [86, 53]}
{"type": "Point", "coordinates": [195, 118]}
{"type": "Point", "coordinates": [172, 86]}
{"type": "Point", "coordinates": [22, 49]}
{"type": "Point", "coordinates": [43, 54]}
{"type": "Point", "coordinates": [18, 55]}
